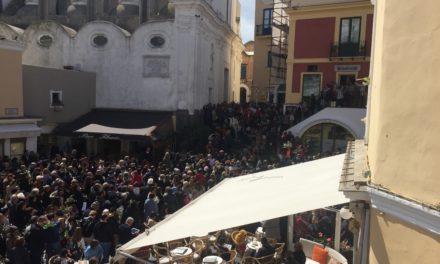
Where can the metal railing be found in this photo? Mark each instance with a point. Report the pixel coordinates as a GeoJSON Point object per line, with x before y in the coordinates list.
{"type": "Point", "coordinates": [338, 50]}
{"type": "Point", "coordinates": [263, 30]}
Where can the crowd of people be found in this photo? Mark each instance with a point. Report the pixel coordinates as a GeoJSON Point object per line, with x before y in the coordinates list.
{"type": "Point", "coordinates": [72, 207]}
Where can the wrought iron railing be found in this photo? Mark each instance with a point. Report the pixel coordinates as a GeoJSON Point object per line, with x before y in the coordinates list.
{"type": "Point", "coordinates": [263, 30]}
{"type": "Point", "coordinates": [338, 50]}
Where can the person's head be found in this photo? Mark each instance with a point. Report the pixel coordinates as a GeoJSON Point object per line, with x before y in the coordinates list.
{"type": "Point", "coordinates": [42, 220]}
{"type": "Point", "coordinates": [264, 241]}
{"type": "Point", "coordinates": [93, 260]}
{"type": "Point", "coordinates": [94, 243]}
{"type": "Point", "coordinates": [92, 213]}
{"type": "Point", "coordinates": [19, 242]}
{"type": "Point", "coordinates": [129, 221]}
{"type": "Point", "coordinates": [298, 247]}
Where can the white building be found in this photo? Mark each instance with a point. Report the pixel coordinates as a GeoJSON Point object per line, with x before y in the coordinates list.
{"type": "Point", "coordinates": [173, 64]}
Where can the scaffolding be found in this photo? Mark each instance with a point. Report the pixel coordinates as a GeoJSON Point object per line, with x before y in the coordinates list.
{"type": "Point", "coordinates": [278, 51]}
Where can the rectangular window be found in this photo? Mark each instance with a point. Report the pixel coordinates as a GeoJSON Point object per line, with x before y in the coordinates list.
{"type": "Point", "coordinates": [18, 146]}
{"type": "Point", "coordinates": [243, 72]}
{"type": "Point", "coordinates": [56, 98]}
{"type": "Point", "coordinates": [350, 30]}
{"type": "Point", "coordinates": [349, 37]}
{"type": "Point", "coordinates": [267, 21]}
{"type": "Point", "coordinates": [311, 84]}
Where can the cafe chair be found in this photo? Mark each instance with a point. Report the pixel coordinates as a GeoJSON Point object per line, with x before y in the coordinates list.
{"type": "Point", "coordinates": [229, 257]}
{"type": "Point", "coordinates": [266, 259]}
{"type": "Point", "coordinates": [162, 255]}
{"type": "Point", "coordinates": [175, 244]}
{"type": "Point", "coordinates": [279, 249]}
{"type": "Point", "coordinates": [187, 259]}
{"type": "Point", "coordinates": [198, 247]}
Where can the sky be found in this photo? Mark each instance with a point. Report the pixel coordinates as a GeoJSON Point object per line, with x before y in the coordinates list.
{"type": "Point", "coordinates": [247, 20]}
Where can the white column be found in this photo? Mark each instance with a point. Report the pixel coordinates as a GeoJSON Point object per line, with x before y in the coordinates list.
{"type": "Point", "coordinates": [337, 231]}
{"type": "Point", "coordinates": [31, 144]}
{"type": "Point", "coordinates": [7, 147]}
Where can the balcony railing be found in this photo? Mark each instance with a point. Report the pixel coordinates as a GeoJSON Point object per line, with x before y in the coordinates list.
{"type": "Point", "coordinates": [263, 30]}
{"type": "Point", "coordinates": [347, 50]}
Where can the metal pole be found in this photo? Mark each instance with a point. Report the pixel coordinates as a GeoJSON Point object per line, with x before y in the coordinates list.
{"type": "Point", "coordinates": [337, 231]}
{"type": "Point", "coordinates": [290, 234]}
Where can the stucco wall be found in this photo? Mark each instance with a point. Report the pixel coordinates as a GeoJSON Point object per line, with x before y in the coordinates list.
{"type": "Point", "coordinates": [78, 93]}
{"type": "Point", "coordinates": [328, 71]}
{"type": "Point", "coordinates": [403, 146]}
{"type": "Point", "coordinates": [393, 241]}
{"type": "Point", "coordinates": [309, 47]}
{"type": "Point", "coordinates": [185, 73]}
{"type": "Point", "coordinates": [313, 37]}
{"type": "Point", "coordinates": [11, 89]}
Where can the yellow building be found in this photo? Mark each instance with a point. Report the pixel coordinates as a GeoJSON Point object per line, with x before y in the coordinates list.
{"type": "Point", "coordinates": [399, 176]}
{"type": "Point", "coordinates": [263, 37]}
{"type": "Point", "coordinates": [17, 132]}
{"type": "Point", "coordinates": [246, 73]}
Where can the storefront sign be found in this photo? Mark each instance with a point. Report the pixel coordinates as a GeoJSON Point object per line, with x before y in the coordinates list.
{"type": "Point", "coordinates": [347, 68]}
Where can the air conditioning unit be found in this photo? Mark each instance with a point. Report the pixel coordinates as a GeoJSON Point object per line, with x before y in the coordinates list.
{"type": "Point", "coordinates": [237, 19]}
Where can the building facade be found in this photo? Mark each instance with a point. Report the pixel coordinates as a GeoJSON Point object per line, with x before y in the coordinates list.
{"type": "Point", "coordinates": [404, 176]}
{"type": "Point", "coordinates": [58, 96]}
{"type": "Point", "coordinates": [262, 40]}
{"type": "Point", "coordinates": [174, 62]}
{"type": "Point", "coordinates": [329, 45]}
{"type": "Point", "coordinates": [398, 180]}
{"type": "Point", "coordinates": [18, 132]}
{"type": "Point", "coordinates": [246, 74]}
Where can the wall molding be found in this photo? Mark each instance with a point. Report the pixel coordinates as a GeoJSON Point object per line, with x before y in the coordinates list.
{"type": "Point", "coordinates": [408, 211]}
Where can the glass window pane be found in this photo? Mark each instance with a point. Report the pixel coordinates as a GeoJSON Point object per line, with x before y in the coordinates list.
{"type": "Point", "coordinates": [267, 18]}
{"type": "Point", "coordinates": [243, 71]}
{"type": "Point", "coordinates": [311, 84]}
{"type": "Point", "coordinates": [345, 30]}
{"type": "Point", "coordinates": [17, 148]}
{"type": "Point", "coordinates": [355, 30]}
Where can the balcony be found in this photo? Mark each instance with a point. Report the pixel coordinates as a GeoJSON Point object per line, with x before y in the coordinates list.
{"type": "Point", "coordinates": [348, 50]}
{"type": "Point", "coordinates": [263, 30]}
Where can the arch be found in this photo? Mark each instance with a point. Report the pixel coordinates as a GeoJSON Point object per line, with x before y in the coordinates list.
{"type": "Point", "coordinates": [348, 118]}
{"type": "Point", "coordinates": [247, 93]}
{"type": "Point", "coordinates": [91, 24]}
{"type": "Point", "coordinates": [10, 32]}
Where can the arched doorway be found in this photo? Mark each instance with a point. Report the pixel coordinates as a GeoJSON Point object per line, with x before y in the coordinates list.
{"type": "Point", "coordinates": [326, 139]}
{"type": "Point", "coordinates": [243, 95]}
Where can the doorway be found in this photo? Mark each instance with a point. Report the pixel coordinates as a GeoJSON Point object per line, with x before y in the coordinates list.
{"type": "Point", "coordinates": [109, 149]}
{"type": "Point", "coordinates": [243, 95]}
{"type": "Point", "coordinates": [346, 78]}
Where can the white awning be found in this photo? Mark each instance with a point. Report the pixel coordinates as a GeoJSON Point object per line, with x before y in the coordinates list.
{"type": "Point", "coordinates": [251, 198]}
{"type": "Point", "coordinates": [98, 129]}
{"type": "Point", "coordinates": [19, 130]}
{"type": "Point", "coordinates": [348, 118]}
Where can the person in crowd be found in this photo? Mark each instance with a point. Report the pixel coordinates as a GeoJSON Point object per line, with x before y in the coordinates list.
{"type": "Point", "coordinates": [104, 232]}
{"type": "Point", "coordinates": [19, 253]}
{"type": "Point", "coordinates": [299, 257]}
{"type": "Point", "coordinates": [266, 249]}
{"type": "Point", "coordinates": [125, 231]}
{"type": "Point", "coordinates": [94, 251]}
{"type": "Point", "coordinates": [150, 206]}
